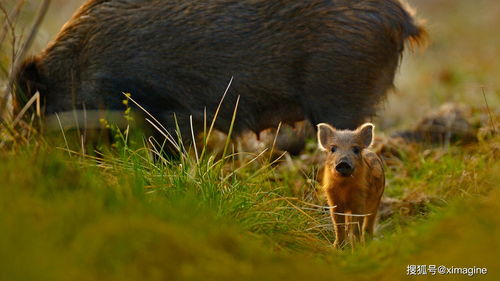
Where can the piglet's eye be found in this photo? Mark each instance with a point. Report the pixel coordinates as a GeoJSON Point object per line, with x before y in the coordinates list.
{"type": "Point", "coordinates": [356, 150]}
{"type": "Point", "coordinates": [333, 149]}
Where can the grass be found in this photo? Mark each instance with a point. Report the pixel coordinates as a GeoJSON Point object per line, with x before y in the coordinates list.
{"type": "Point", "coordinates": [124, 218]}
{"type": "Point", "coordinates": [120, 215]}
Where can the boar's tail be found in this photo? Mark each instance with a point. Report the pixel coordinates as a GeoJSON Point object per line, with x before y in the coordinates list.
{"type": "Point", "coordinates": [415, 34]}
{"type": "Point", "coordinates": [413, 31]}
{"type": "Point", "coordinates": [29, 80]}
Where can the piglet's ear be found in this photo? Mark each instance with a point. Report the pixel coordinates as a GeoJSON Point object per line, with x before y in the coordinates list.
{"type": "Point", "coordinates": [325, 133]}
{"type": "Point", "coordinates": [366, 134]}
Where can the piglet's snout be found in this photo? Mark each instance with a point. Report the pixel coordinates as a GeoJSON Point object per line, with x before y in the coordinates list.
{"type": "Point", "coordinates": [344, 168]}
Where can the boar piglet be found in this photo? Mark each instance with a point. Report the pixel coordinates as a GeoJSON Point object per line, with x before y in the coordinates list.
{"type": "Point", "coordinates": [353, 180]}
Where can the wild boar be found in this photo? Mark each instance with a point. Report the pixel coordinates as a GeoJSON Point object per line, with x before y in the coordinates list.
{"type": "Point", "coordinates": [316, 60]}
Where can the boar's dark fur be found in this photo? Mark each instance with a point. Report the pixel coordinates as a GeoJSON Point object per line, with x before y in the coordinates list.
{"type": "Point", "coordinates": [326, 61]}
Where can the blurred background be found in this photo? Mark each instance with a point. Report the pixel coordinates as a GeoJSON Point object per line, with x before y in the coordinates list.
{"type": "Point", "coordinates": [462, 59]}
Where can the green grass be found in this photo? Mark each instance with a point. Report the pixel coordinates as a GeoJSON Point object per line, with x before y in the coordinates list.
{"type": "Point", "coordinates": [126, 217]}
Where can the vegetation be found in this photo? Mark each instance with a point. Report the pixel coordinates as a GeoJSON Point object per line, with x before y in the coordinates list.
{"type": "Point", "coordinates": [122, 212]}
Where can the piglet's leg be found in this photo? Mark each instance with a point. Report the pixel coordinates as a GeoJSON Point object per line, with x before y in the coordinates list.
{"type": "Point", "coordinates": [339, 224]}
{"type": "Point", "coordinates": [369, 225]}
{"type": "Point", "coordinates": [357, 227]}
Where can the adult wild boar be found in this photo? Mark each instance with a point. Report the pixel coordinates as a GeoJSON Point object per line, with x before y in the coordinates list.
{"type": "Point", "coordinates": [326, 61]}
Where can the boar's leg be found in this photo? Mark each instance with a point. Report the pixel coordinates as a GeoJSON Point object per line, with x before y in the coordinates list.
{"type": "Point", "coordinates": [344, 112]}
{"type": "Point", "coordinates": [346, 94]}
